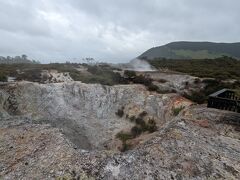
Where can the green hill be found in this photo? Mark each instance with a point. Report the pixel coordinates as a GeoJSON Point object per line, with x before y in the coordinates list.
{"type": "Point", "coordinates": [193, 50]}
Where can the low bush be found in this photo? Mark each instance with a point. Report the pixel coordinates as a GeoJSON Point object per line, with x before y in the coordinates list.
{"type": "Point", "coordinates": [177, 110]}
{"type": "Point", "coordinates": [123, 136]}
{"type": "Point", "coordinates": [151, 125]}
{"type": "Point", "coordinates": [125, 147]}
{"type": "Point", "coordinates": [140, 121]}
{"type": "Point", "coordinates": [153, 87]}
{"type": "Point", "coordinates": [160, 91]}
{"type": "Point", "coordinates": [120, 112]}
{"type": "Point", "coordinates": [33, 75]}
{"type": "Point", "coordinates": [136, 131]}
{"type": "Point", "coordinates": [132, 118]}
{"type": "Point", "coordinates": [142, 80]}
{"type": "Point", "coordinates": [197, 81]}
{"type": "Point", "coordinates": [142, 126]}
{"type": "Point", "coordinates": [130, 74]}
{"type": "Point", "coordinates": [196, 96]}
{"type": "Point", "coordinates": [162, 80]}
{"type": "Point", "coordinates": [142, 114]}
{"type": "Point", "coordinates": [3, 78]}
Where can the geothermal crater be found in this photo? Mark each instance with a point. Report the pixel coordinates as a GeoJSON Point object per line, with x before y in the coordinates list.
{"type": "Point", "coordinates": [85, 114]}
{"type": "Point", "coordinates": [68, 131]}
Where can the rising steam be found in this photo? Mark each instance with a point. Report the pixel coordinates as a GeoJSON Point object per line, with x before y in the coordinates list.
{"type": "Point", "coordinates": [139, 65]}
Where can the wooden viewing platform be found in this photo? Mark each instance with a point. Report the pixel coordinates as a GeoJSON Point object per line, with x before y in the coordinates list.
{"type": "Point", "coordinates": [224, 99]}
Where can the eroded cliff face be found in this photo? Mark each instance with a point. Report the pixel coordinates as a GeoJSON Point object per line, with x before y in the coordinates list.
{"type": "Point", "coordinates": [61, 130]}
{"type": "Point", "coordinates": [87, 109]}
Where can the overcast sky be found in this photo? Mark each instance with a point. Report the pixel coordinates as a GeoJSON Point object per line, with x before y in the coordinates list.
{"type": "Point", "coordinates": [111, 30]}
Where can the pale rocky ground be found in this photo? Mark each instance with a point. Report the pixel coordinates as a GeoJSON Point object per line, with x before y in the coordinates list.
{"type": "Point", "coordinates": [67, 130]}
{"type": "Point", "coordinates": [53, 76]}
{"type": "Point", "coordinates": [175, 81]}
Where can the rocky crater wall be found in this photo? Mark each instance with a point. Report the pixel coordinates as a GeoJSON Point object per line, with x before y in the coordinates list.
{"type": "Point", "coordinates": [86, 113]}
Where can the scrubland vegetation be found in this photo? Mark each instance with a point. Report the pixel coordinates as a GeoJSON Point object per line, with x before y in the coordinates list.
{"type": "Point", "coordinates": [220, 68]}
{"type": "Point", "coordinates": [102, 74]}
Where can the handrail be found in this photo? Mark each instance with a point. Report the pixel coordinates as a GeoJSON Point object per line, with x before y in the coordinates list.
{"type": "Point", "coordinates": [225, 99]}
{"type": "Point", "coordinates": [230, 102]}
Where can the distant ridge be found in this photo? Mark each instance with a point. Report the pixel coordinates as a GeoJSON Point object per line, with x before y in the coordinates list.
{"type": "Point", "coordinates": [193, 50]}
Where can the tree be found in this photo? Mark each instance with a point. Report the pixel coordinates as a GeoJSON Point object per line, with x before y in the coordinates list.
{"type": "Point", "coordinates": [24, 57]}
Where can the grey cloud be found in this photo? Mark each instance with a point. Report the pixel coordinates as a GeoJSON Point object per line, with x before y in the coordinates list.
{"type": "Point", "coordinates": [20, 18]}
{"type": "Point", "coordinates": [110, 30]}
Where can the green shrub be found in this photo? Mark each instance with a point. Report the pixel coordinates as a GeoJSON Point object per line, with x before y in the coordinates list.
{"type": "Point", "coordinates": [120, 112]}
{"type": "Point", "coordinates": [143, 114]}
{"type": "Point", "coordinates": [3, 78]}
{"type": "Point", "coordinates": [177, 110]}
{"type": "Point", "coordinates": [132, 118]}
{"type": "Point", "coordinates": [130, 74]}
{"type": "Point", "coordinates": [142, 80]}
{"type": "Point", "coordinates": [142, 126]}
{"type": "Point", "coordinates": [125, 147]}
{"type": "Point", "coordinates": [152, 127]}
{"type": "Point", "coordinates": [124, 136]}
{"type": "Point", "coordinates": [197, 81]}
{"type": "Point", "coordinates": [153, 87]}
{"type": "Point", "coordinates": [196, 96]}
{"type": "Point", "coordinates": [162, 80]}
{"type": "Point", "coordinates": [140, 121]}
{"type": "Point", "coordinates": [33, 75]}
{"type": "Point", "coordinates": [94, 69]}
{"type": "Point", "coordinates": [160, 91]}
{"type": "Point", "coordinates": [136, 131]}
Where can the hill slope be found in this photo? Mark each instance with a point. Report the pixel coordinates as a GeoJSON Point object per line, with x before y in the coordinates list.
{"type": "Point", "coordinates": [193, 50]}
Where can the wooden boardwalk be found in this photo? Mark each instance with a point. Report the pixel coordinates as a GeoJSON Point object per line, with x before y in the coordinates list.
{"type": "Point", "coordinates": [224, 99]}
